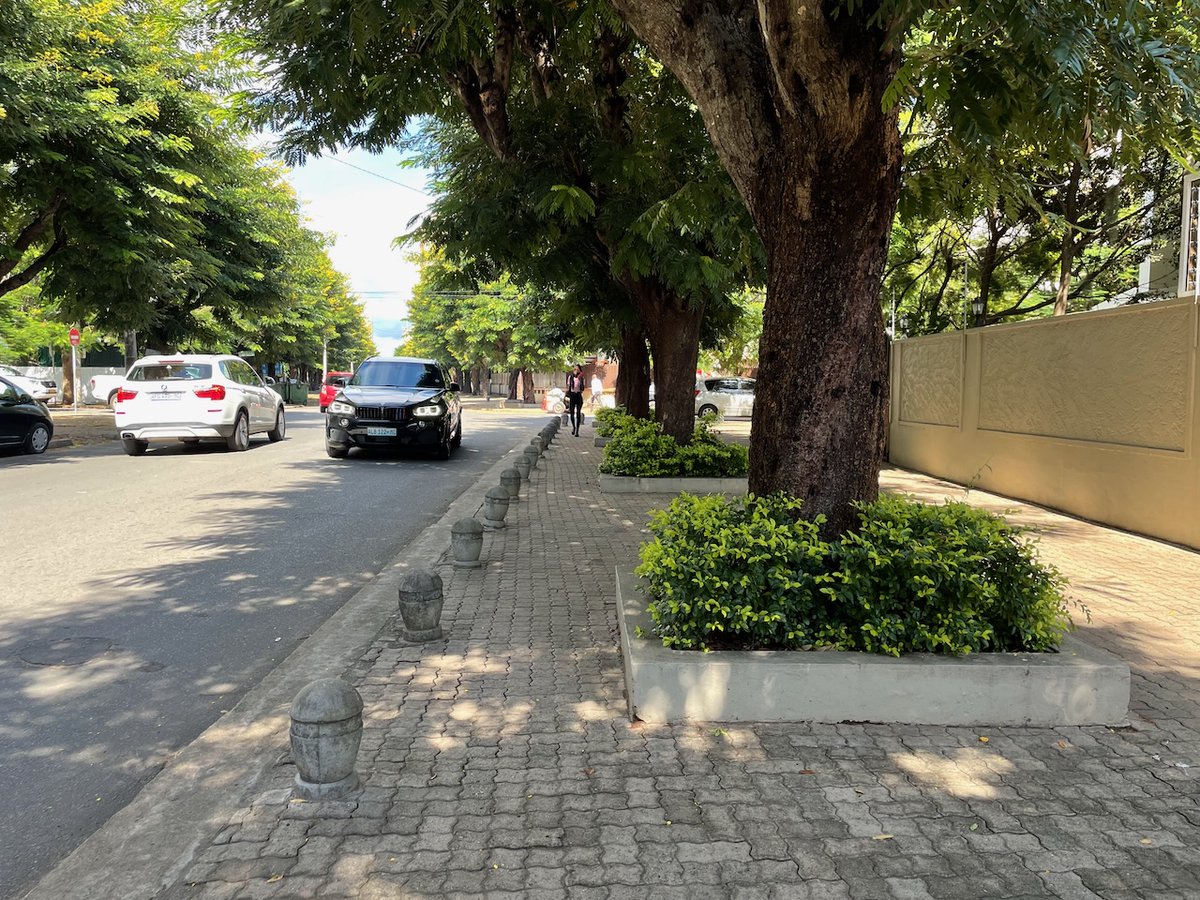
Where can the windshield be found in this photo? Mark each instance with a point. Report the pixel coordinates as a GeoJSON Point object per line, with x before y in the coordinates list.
{"type": "Point", "coordinates": [377, 373]}
{"type": "Point", "coordinates": [180, 371]}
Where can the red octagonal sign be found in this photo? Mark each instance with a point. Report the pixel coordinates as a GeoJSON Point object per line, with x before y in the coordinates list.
{"type": "Point", "coordinates": [74, 337]}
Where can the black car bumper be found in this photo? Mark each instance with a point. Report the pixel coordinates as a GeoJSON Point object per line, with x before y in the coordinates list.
{"type": "Point", "coordinates": [417, 433]}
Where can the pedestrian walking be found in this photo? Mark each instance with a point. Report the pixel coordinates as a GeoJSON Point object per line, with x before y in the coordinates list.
{"type": "Point", "coordinates": [575, 386]}
{"type": "Point", "coordinates": [597, 389]}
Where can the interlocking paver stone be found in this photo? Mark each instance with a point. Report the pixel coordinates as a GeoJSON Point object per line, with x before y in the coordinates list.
{"type": "Point", "coordinates": [500, 759]}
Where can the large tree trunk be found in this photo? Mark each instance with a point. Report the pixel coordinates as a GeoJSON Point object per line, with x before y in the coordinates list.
{"type": "Point", "coordinates": [633, 374]}
{"type": "Point", "coordinates": [68, 366]}
{"type": "Point", "coordinates": [673, 331]}
{"type": "Point", "coordinates": [792, 97]}
{"type": "Point", "coordinates": [513, 377]}
{"type": "Point", "coordinates": [131, 348]}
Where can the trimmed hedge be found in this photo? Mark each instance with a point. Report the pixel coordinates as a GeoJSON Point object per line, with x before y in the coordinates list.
{"type": "Point", "coordinates": [749, 573]}
{"type": "Point", "coordinates": [638, 447]}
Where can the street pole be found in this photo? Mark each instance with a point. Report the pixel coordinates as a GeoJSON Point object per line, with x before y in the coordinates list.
{"type": "Point", "coordinates": [324, 360]}
{"type": "Point", "coordinates": [74, 378]}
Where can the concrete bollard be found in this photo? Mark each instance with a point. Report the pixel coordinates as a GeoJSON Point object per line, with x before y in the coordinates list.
{"type": "Point", "coordinates": [537, 444]}
{"type": "Point", "coordinates": [522, 467]}
{"type": "Point", "coordinates": [325, 733]}
{"type": "Point", "coordinates": [466, 543]}
{"type": "Point", "coordinates": [495, 507]}
{"type": "Point", "coordinates": [510, 480]}
{"type": "Point", "coordinates": [421, 606]}
{"type": "Point", "coordinates": [565, 418]}
{"type": "Point", "coordinates": [531, 456]}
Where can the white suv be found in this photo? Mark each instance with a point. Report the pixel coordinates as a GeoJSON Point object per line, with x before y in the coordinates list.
{"type": "Point", "coordinates": [725, 397]}
{"type": "Point", "coordinates": [194, 398]}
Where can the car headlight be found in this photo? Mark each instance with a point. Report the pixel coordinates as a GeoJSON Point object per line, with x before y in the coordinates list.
{"type": "Point", "coordinates": [341, 409]}
{"type": "Point", "coordinates": [428, 412]}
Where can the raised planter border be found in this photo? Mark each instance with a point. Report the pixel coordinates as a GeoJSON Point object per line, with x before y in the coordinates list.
{"type": "Point", "coordinates": [626, 484]}
{"type": "Point", "coordinates": [1079, 685]}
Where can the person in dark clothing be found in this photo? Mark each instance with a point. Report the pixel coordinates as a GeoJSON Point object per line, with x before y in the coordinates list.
{"type": "Point", "coordinates": [575, 386]}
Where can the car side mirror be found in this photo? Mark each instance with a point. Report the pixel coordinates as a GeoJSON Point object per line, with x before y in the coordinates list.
{"type": "Point", "coordinates": [24, 398]}
{"type": "Point", "coordinates": [454, 386]}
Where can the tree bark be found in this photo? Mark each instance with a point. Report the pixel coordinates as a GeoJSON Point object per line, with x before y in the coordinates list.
{"type": "Point", "coordinates": [513, 377]}
{"type": "Point", "coordinates": [792, 98]}
{"type": "Point", "coordinates": [131, 348]}
{"type": "Point", "coordinates": [633, 374]}
{"type": "Point", "coordinates": [527, 386]}
{"type": "Point", "coordinates": [672, 329]}
{"type": "Point", "coordinates": [68, 367]}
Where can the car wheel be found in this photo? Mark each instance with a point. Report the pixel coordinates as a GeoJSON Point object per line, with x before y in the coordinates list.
{"type": "Point", "coordinates": [708, 410]}
{"type": "Point", "coordinates": [336, 451]}
{"type": "Point", "coordinates": [134, 448]}
{"type": "Point", "coordinates": [38, 439]}
{"type": "Point", "coordinates": [280, 430]}
{"type": "Point", "coordinates": [456, 441]}
{"type": "Point", "coordinates": [239, 438]}
{"type": "Point", "coordinates": [112, 400]}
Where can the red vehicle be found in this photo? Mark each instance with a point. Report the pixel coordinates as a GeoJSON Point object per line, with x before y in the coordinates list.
{"type": "Point", "coordinates": [334, 382]}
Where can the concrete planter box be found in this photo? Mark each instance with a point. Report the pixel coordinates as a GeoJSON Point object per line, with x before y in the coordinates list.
{"type": "Point", "coordinates": [600, 441]}
{"type": "Point", "coordinates": [624, 484]}
{"type": "Point", "coordinates": [1080, 685]}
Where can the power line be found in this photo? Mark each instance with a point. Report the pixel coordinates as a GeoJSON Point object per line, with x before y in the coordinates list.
{"type": "Point", "coordinates": [407, 187]}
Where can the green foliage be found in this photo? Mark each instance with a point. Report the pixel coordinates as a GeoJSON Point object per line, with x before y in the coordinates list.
{"type": "Point", "coordinates": [749, 573]}
{"type": "Point", "coordinates": [638, 447]}
{"type": "Point", "coordinates": [739, 573]}
{"type": "Point", "coordinates": [610, 420]}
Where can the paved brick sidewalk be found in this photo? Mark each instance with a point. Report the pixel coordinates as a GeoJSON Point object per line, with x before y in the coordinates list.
{"type": "Point", "coordinates": [500, 761]}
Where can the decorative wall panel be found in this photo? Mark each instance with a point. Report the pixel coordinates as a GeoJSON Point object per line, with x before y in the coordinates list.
{"type": "Point", "coordinates": [931, 374]}
{"type": "Point", "coordinates": [1119, 378]}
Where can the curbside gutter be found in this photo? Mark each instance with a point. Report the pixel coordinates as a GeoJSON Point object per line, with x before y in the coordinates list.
{"type": "Point", "coordinates": [148, 845]}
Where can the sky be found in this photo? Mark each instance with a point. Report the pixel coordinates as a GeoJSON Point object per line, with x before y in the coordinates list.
{"type": "Point", "coordinates": [364, 211]}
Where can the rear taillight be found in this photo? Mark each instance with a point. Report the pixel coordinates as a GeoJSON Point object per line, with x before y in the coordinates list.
{"type": "Point", "coordinates": [124, 394]}
{"type": "Point", "coordinates": [216, 392]}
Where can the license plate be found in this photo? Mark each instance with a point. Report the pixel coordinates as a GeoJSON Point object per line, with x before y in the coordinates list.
{"type": "Point", "coordinates": [165, 396]}
{"type": "Point", "coordinates": [381, 432]}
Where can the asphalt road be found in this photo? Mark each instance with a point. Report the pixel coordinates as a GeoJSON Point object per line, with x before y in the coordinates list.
{"type": "Point", "coordinates": [140, 597]}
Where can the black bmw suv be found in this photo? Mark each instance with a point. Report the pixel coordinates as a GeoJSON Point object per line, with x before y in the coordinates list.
{"type": "Point", "coordinates": [395, 402]}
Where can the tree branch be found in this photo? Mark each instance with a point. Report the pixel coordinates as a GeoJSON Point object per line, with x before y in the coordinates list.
{"type": "Point", "coordinates": [31, 233]}
{"type": "Point", "coordinates": [32, 271]}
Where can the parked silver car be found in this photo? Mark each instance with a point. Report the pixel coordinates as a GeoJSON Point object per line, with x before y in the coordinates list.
{"type": "Point", "coordinates": [725, 397]}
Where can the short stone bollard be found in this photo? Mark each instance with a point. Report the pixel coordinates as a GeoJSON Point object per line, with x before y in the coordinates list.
{"type": "Point", "coordinates": [421, 606]}
{"type": "Point", "coordinates": [466, 543]}
{"type": "Point", "coordinates": [510, 480]}
{"type": "Point", "coordinates": [325, 734]}
{"type": "Point", "coordinates": [565, 418]}
{"type": "Point", "coordinates": [522, 467]}
{"type": "Point", "coordinates": [537, 444]}
{"type": "Point", "coordinates": [495, 507]}
{"type": "Point", "coordinates": [531, 456]}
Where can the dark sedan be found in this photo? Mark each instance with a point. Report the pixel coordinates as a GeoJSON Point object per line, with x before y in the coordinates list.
{"type": "Point", "coordinates": [395, 402]}
{"type": "Point", "coordinates": [24, 422]}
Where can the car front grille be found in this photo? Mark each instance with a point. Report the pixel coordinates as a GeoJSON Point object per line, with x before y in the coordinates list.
{"type": "Point", "coordinates": [382, 414]}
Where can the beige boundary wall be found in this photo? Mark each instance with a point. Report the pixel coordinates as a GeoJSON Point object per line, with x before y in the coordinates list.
{"type": "Point", "coordinates": [1094, 414]}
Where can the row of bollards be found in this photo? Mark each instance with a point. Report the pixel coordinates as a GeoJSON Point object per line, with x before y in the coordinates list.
{"type": "Point", "coordinates": [326, 716]}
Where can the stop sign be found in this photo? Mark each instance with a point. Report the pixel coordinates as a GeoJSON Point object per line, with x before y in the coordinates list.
{"type": "Point", "coordinates": [74, 337]}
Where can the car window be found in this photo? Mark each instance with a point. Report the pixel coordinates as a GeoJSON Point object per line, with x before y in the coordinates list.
{"type": "Point", "coordinates": [245, 374]}
{"type": "Point", "coordinates": [337, 381]}
{"type": "Point", "coordinates": [748, 385]}
{"type": "Point", "coordinates": [8, 393]}
{"type": "Point", "coordinates": [173, 371]}
{"type": "Point", "coordinates": [385, 373]}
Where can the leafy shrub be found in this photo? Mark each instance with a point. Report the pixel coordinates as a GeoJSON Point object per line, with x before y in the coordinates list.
{"type": "Point", "coordinates": [609, 420]}
{"type": "Point", "coordinates": [638, 447]}
{"type": "Point", "coordinates": [749, 573]}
